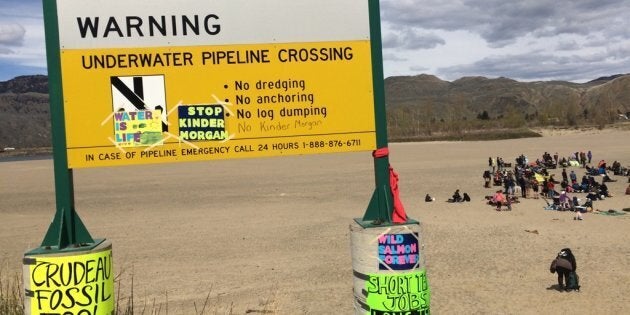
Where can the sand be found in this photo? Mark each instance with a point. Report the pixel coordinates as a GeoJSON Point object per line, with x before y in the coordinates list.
{"type": "Point", "coordinates": [272, 234]}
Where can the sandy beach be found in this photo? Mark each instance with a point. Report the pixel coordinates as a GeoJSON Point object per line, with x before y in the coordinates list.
{"type": "Point", "coordinates": [272, 235]}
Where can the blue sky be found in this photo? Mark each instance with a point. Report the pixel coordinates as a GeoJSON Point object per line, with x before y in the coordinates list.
{"type": "Point", "coordinates": [572, 40]}
{"type": "Point", "coordinates": [22, 46]}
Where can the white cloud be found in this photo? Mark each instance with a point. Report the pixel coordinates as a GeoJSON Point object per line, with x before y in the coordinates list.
{"type": "Point", "coordinates": [12, 34]}
{"type": "Point", "coordinates": [6, 51]}
{"type": "Point", "coordinates": [574, 40]}
{"type": "Point", "coordinates": [567, 45]}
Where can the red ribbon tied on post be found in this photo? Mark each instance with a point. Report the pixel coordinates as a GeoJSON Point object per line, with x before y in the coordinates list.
{"type": "Point", "coordinates": [399, 215]}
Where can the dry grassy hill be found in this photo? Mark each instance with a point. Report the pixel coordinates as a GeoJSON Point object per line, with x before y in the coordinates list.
{"type": "Point", "coordinates": [421, 107]}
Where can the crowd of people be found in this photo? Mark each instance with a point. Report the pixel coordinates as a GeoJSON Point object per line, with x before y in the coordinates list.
{"type": "Point", "coordinates": [533, 180]}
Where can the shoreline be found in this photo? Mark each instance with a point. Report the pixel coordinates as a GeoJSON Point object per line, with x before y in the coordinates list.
{"type": "Point", "coordinates": [37, 153]}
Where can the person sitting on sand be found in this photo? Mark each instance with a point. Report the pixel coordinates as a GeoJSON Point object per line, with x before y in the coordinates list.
{"type": "Point", "coordinates": [588, 203]}
{"type": "Point", "coordinates": [498, 199]}
{"type": "Point", "coordinates": [607, 179]}
{"type": "Point", "coordinates": [578, 213]}
{"type": "Point", "coordinates": [616, 168]}
{"type": "Point", "coordinates": [593, 196]}
{"type": "Point", "coordinates": [457, 197]}
{"type": "Point", "coordinates": [565, 200]}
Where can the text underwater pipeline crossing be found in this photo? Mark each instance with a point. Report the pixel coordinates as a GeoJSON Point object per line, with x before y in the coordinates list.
{"type": "Point", "coordinates": [184, 25]}
{"type": "Point", "coordinates": [216, 57]}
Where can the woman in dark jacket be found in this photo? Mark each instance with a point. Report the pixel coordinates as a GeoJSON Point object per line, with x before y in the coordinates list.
{"type": "Point", "coordinates": [564, 264]}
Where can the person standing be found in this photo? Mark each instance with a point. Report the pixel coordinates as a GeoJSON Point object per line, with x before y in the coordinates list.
{"type": "Point", "coordinates": [522, 181]}
{"type": "Point", "coordinates": [534, 185]}
{"type": "Point", "coordinates": [487, 177]}
{"type": "Point", "coordinates": [551, 189]}
{"type": "Point", "coordinates": [555, 158]}
{"type": "Point", "coordinates": [564, 175]}
{"type": "Point", "coordinates": [528, 188]}
{"type": "Point", "coordinates": [509, 185]}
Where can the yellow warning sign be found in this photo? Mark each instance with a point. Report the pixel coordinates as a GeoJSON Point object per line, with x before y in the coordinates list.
{"type": "Point", "coordinates": [208, 90]}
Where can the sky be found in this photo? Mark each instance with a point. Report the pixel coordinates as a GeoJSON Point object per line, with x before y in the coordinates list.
{"type": "Point", "coordinates": [533, 40]}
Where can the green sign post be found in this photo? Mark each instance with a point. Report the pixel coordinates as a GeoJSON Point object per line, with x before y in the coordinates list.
{"type": "Point", "coordinates": [381, 207]}
{"type": "Point", "coordinates": [66, 231]}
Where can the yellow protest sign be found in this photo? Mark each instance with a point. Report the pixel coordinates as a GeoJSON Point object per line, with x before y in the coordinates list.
{"type": "Point", "coordinates": [77, 284]}
{"type": "Point", "coordinates": [398, 293]}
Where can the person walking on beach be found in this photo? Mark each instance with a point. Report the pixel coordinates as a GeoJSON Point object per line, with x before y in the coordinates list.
{"type": "Point", "coordinates": [589, 155]}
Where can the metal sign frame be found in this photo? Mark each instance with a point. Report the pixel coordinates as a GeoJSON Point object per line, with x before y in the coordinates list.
{"type": "Point", "coordinates": [68, 233]}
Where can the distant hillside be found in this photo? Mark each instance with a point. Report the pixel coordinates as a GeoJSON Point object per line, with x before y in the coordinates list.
{"type": "Point", "coordinates": [24, 112]}
{"type": "Point", "coordinates": [424, 105]}
{"type": "Point", "coordinates": [421, 107]}
{"type": "Point", "coordinates": [25, 84]}
{"type": "Point", "coordinates": [470, 96]}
